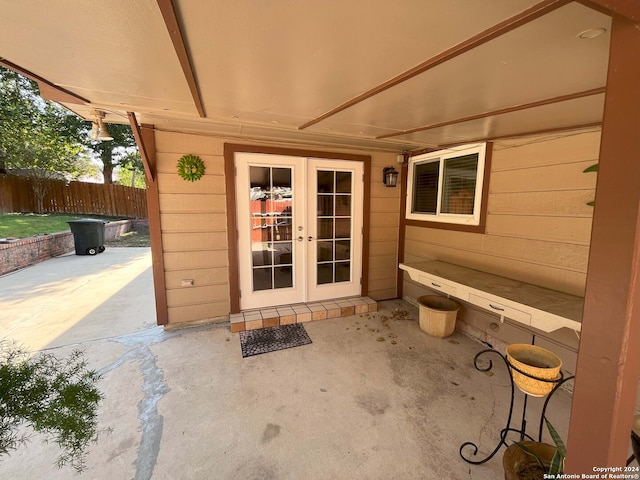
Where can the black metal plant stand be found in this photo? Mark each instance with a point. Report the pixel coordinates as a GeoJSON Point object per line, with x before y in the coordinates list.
{"type": "Point", "coordinates": [522, 430]}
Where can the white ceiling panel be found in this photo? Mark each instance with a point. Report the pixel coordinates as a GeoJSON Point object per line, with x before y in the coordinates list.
{"type": "Point", "coordinates": [541, 60]}
{"type": "Point", "coordinates": [116, 51]}
{"type": "Point", "coordinates": [263, 68]}
{"type": "Point", "coordinates": [571, 113]}
{"type": "Point", "coordinates": [299, 59]}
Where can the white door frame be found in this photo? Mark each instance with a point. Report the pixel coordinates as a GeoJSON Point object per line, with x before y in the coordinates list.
{"type": "Point", "coordinates": [304, 241]}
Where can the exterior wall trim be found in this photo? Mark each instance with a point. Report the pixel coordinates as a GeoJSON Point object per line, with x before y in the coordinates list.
{"type": "Point", "coordinates": [145, 138]}
{"type": "Point", "coordinates": [230, 149]}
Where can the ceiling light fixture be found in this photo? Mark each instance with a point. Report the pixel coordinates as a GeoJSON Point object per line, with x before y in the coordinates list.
{"type": "Point", "coordinates": [591, 33]}
{"type": "Point", "coordinates": [98, 129]}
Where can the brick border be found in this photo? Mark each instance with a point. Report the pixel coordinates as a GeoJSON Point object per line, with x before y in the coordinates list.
{"type": "Point", "coordinates": [31, 250]}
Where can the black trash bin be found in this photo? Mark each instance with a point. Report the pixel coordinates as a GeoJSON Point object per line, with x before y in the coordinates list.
{"type": "Point", "coordinates": [88, 235]}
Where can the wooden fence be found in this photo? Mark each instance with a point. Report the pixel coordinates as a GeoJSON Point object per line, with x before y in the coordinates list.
{"type": "Point", "coordinates": [16, 195]}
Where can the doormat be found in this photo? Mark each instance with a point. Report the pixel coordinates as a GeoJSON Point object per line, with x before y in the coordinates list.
{"type": "Point", "coordinates": [265, 340]}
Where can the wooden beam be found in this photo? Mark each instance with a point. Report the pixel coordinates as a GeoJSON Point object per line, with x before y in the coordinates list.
{"type": "Point", "coordinates": [145, 138]}
{"type": "Point", "coordinates": [173, 26]}
{"type": "Point", "coordinates": [629, 9]}
{"type": "Point", "coordinates": [608, 367]}
{"type": "Point", "coordinates": [145, 154]}
{"type": "Point", "coordinates": [506, 26]}
{"type": "Point", "coordinates": [529, 133]}
{"type": "Point", "coordinates": [501, 111]}
{"type": "Point", "coordinates": [48, 90]}
{"type": "Point", "coordinates": [404, 173]}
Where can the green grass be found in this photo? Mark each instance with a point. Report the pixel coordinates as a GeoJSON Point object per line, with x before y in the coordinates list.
{"type": "Point", "coordinates": [18, 225]}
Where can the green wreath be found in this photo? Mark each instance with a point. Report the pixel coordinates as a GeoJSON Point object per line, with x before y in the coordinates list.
{"type": "Point", "coordinates": [190, 167]}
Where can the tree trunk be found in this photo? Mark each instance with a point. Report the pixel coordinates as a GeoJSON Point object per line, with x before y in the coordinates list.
{"type": "Point", "coordinates": [40, 189]}
{"type": "Point", "coordinates": [107, 164]}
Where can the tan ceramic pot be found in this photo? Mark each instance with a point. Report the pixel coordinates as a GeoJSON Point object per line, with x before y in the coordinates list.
{"type": "Point", "coordinates": [438, 315]}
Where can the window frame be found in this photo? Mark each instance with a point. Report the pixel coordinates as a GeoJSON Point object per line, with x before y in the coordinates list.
{"type": "Point", "coordinates": [472, 222]}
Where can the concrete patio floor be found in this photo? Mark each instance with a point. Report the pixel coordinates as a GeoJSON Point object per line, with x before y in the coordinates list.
{"type": "Point", "coordinates": [184, 404]}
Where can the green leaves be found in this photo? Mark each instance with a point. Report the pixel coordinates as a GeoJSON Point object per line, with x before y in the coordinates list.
{"type": "Point", "coordinates": [557, 463]}
{"type": "Point", "coordinates": [54, 397]}
{"type": "Point", "coordinates": [37, 135]}
{"type": "Point", "coordinates": [556, 466]}
{"type": "Point", "coordinates": [528, 451]}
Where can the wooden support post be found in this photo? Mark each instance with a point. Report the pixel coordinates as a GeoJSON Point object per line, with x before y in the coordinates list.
{"type": "Point", "coordinates": [609, 355]}
{"type": "Point", "coordinates": [145, 140]}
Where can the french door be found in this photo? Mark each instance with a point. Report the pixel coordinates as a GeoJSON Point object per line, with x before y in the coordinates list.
{"type": "Point", "coordinates": [299, 228]}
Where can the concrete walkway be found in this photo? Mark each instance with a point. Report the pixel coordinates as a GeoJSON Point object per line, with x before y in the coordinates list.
{"type": "Point", "coordinates": [186, 405]}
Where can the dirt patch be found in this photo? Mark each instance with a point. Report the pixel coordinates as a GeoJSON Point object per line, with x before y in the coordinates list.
{"type": "Point", "coordinates": [135, 238]}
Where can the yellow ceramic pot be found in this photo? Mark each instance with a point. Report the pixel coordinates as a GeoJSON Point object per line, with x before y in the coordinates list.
{"type": "Point", "coordinates": [537, 362]}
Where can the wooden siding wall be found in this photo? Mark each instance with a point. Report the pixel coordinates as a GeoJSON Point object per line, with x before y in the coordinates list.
{"type": "Point", "coordinates": [538, 220]}
{"type": "Point", "coordinates": [384, 229]}
{"type": "Point", "coordinates": [538, 228]}
{"type": "Point", "coordinates": [193, 223]}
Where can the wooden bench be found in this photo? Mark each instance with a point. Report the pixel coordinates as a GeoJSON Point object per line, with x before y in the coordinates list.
{"type": "Point", "coordinates": [531, 305]}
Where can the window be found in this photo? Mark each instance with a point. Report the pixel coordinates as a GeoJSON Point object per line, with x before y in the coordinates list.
{"type": "Point", "coordinates": [446, 186]}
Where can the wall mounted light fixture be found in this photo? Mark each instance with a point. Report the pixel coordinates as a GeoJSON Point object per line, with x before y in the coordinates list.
{"type": "Point", "coordinates": [98, 129]}
{"type": "Point", "coordinates": [390, 176]}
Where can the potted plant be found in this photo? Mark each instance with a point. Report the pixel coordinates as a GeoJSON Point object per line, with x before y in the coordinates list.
{"type": "Point", "coordinates": [532, 460]}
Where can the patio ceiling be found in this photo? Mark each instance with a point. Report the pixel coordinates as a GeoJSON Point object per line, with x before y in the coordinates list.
{"type": "Point", "coordinates": [374, 74]}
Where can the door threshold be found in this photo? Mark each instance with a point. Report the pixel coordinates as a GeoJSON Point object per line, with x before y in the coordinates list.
{"type": "Point", "coordinates": [300, 313]}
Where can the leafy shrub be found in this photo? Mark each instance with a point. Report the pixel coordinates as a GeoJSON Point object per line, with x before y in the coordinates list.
{"type": "Point", "coordinates": [54, 397]}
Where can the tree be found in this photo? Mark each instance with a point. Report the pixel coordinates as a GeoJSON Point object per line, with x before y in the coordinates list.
{"type": "Point", "coordinates": [39, 139]}
{"type": "Point", "coordinates": [112, 152]}
{"type": "Point", "coordinates": [50, 141]}
{"type": "Point", "coordinates": [53, 397]}
{"type": "Point", "coordinates": [131, 171]}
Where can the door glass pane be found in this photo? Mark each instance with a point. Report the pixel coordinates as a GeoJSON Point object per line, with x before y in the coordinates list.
{"type": "Point", "coordinates": [334, 222]}
{"type": "Point", "coordinates": [282, 181]}
{"type": "Point", "coordinates": [325, 205]}
{"type": "Point", "coordinates": [262, 279]}
{"type": "Point", "coordinates": [343, 250]}
{"type": "Point", "coordinates": [343, 228]}
{"type": "Point", "coordinates": [282, 254]}
{"type": "Point", "coordinates": [325, 251]}
{"type": "Point", "coordinates": [261, 254]}
{"type": "Point", "coordinates": [343, 271]}
{"type": "Point", "coordinates": [343, 205]}
{"type": "Point", "coordinates": [343, 182]}
{"type": "Point", "coordinates": [325, 228]}
{"type": "Point", "coordinates": [325, 273]}
{"type": "Point", "coordinates": [271, 197]}
{"type": "Point", "coordinates": [283, 277]}
{"type": "Point", "coordinates": [326, 181]}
